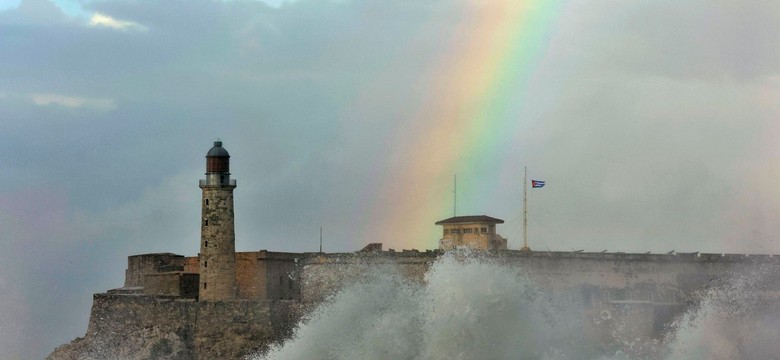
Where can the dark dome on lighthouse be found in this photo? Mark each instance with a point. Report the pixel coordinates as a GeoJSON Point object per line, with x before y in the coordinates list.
{"type": "Point", "coordinates": [217, 150]}
{"type": "Point", "coordinates": [217, 159]}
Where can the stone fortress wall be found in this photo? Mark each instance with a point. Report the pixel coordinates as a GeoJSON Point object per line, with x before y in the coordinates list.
{"type": "Point", "coordinates": [126, 326]}
{"type": "Point", "coordinates": [140, 265]}
{"type": "Point", "coordinates": [158, 314]}
{"type": "Point", "coordinates": [640, 294]}
{"type": "Point", "coordinates": [259, 275]}
{"type": "Point", "coordinates": [651, 288]}
{"type": "Point", "coordinates": [267, 275]}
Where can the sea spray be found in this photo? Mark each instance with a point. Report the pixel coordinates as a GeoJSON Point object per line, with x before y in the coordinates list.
{"type": "Point", "coordinates": [375, 318]}
{"type": "Point", "coordinates": [474, 307]}
{"type": "Point", "coordinates": [468, 307]}
{"type": "Point", "coordinates": [736, 319]}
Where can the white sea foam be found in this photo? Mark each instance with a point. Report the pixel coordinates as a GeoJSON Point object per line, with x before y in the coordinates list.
{"type": "Point", "coordinates": [733, 321]}
{"type": "Point", "coordinates": [474, 308]}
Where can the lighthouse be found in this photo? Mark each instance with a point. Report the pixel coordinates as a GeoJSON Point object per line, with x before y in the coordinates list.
{"type": "Point", "coordinates": [217, 257]}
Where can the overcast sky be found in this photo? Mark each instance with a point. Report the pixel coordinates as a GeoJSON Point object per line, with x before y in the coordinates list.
{"type": "Point", "coordinates": [654, 123]}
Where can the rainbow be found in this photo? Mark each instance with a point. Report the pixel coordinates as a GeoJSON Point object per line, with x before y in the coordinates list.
{"type": "Point", "coordinates": [468, 116]}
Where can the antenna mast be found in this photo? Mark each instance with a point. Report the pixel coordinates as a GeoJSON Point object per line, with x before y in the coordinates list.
{"type": "Point", "coordinates": [525, 210]}
{"type": "Point", "coordinates": [455, 196]}
{"type": "Point", "coordinates": [320, 238]}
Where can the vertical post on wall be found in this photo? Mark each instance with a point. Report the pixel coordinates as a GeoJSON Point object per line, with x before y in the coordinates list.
{"type": "Point", "coordinates": [320, 238]}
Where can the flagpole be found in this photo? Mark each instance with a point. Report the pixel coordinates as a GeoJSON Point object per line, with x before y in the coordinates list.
{"type": "Point", "coordinates": [525, 211]}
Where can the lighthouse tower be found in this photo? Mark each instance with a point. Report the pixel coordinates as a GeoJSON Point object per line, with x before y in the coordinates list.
{"type": "Point", "coordinates": [217, 256]}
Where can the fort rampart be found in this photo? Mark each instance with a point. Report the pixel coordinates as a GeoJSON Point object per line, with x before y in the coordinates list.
{"type": "Point", "coordinates": [161, 321]}
{"type": "Point", "coordinates": [639, 293]}
{"type": "Point", "coordinates": [324, 273]}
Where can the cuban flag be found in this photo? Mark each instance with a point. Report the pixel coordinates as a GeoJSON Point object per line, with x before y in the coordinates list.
{"type": "Point", "coordinates": [537, 183]}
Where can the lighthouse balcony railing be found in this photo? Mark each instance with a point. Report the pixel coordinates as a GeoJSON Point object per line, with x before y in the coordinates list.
{"type": "Point", "coordinates": [205, 182]}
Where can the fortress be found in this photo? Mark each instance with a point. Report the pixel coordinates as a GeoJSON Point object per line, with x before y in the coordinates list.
{"type": "Point", "coordinates": [226, 304]}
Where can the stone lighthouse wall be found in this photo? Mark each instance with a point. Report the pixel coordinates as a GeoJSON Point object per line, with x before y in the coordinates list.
{"type": "Point", "coordinates": [218, 242]}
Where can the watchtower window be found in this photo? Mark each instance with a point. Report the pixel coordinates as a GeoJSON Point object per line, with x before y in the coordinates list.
{"type": "Point", "coordinates": [207, 201]}
{"type": "Point", "coordinates": [205, 243]}
{"type": "Point", "coordinates": [205, 222]}
{"type": "Point", "coordinates": [205, 264]}
{"type": "Point", "coordinates": [484, 230]}
{"type": "Point", "coordinates": [446, 231]}
{"type": "Point", "coordinates": [222, 178]}
{"type": "Point", "coordinates": [205, 285]}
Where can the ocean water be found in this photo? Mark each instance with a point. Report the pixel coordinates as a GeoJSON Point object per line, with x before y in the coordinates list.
{"type": "Point", "coordinates": [474, 308]}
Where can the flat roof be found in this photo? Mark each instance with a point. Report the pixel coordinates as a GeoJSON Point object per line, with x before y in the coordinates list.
{"type": "Point", "coordinates": [470, 219]}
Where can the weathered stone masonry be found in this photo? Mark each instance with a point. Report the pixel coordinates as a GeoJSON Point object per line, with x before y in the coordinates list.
{"type": "Point", "coordinates": [126, 326]}
{"type": "Point", "coordinates": [217, 256]}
